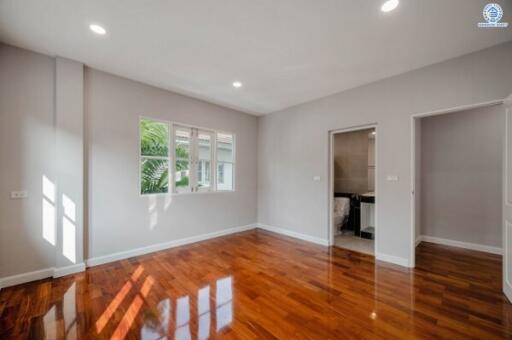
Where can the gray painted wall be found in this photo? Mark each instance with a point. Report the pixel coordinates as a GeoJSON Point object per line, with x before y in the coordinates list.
{"type": "Point", "coordinates": [293, 143]}
{"type": "Point", "coordinates": [27, 153]}
{"type": "Point", "coordinates": [351, 162]}
{"type": "Point", "coordinates": [461, 176]}
{"type": "Point", "coordinates": [120, 219]}
{"type": "Point", "coordinates": [69, 161]}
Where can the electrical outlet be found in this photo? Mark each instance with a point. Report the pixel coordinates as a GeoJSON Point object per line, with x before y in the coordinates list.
{"type": "Point", "coordinates": [19, 194]}
{"type": "Point", "coordinates": [392, 178]}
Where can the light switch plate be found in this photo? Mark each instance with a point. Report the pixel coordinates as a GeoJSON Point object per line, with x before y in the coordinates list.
{"type": "Point", "coordinates": [392, 178]}
{"type": "Point", "coordinates": [19, 194]}
{"type": "Point", "coordinates": [316, 178]}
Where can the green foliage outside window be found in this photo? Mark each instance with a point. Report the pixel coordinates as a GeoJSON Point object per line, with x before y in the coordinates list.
{"type": "Point", "coordinates": [182, 165]}
{"type": "Point", "coordinates": [155, 176]}
{"type": "Point", "coordinates": [154, 138]}
{"type": "Point", "coordinates": [154, 148]}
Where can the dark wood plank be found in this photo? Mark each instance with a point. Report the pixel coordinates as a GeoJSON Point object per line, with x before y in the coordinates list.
{"type": "Point", "coordinates": [261, 285]}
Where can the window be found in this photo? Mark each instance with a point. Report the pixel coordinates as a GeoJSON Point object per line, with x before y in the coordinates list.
{"type": "Point", "coordinates": [225, 161]}
{"type": "Point", "coordinates": [154, 156]}
{"type": "Point", "coordinates": [182, 142]}
{"type": "Point", "coordinates": [220, 178]}
{"type": "Point", "coordinates": [203, 160]}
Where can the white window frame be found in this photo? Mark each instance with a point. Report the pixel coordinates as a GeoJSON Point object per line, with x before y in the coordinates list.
{"type": "Point", "coordinates": [190, 152]}
{"type": "Point", "coordinates": [212, 135]}
{"type": "Point", "coordinates": [168, 158]}
{"type": "Point", "coordinates": [233, 163]}
{"type": "Point", "coordinates": [193, 152]}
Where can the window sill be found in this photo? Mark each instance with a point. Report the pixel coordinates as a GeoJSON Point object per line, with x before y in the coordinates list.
{"type": "Point", "coordinates": [188, 193]}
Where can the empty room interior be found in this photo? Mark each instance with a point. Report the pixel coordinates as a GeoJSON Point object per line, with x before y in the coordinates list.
{"type": "Point", "coordinates": [255, 170]}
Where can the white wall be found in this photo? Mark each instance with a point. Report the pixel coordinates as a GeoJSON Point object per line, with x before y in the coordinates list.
{"type": "Point", "coordinates": [461, 176]}
{"type": "Point", "coordinates": [293, 143]}
{"type": "Point", "coordinates": [119, 219]}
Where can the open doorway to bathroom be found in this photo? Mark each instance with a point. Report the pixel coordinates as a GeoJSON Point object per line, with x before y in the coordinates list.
{"type": "Point", "coordinates": [353, 199]}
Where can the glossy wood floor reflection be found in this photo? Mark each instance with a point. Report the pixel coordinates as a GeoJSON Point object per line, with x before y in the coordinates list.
{"type": "Point", "coordinates": [261, 285]}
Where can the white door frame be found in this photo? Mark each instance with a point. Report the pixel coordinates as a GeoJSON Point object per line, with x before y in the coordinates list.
{"type": "Point", "coordinates": [330, 227]}
{"type": "Point", "coordinates": [412, 255]}
{"type": "Point", "coordinates": [507, 201]}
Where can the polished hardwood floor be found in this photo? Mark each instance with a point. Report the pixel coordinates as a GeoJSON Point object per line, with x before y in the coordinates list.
{"type": "Point", "coordinates": [261, 285]}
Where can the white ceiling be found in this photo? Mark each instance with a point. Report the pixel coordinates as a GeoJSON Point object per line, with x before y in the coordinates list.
{"type": "Point", "coordinates": [285, 52]}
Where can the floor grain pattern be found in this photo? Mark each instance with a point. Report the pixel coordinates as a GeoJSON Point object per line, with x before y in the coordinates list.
{"type": "Point", "coordinates": [258, 284]}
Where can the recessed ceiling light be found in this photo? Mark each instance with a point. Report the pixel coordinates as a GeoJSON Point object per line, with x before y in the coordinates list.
{"type": "Point", "coordinates": [237, 84]}
{"type": "Point", "coordinates": [389, 5]}
{"type": "Point", "coordinates": [97, 29]}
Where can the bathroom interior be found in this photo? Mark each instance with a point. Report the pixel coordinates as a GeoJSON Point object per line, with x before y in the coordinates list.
{"type": "Point", "coordinates": [354, 190]}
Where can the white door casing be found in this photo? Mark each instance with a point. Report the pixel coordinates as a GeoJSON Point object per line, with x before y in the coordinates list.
{"type": "Point", "coordinates": [507, 202]}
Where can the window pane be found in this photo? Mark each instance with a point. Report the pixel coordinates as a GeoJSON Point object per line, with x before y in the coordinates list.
{"type": "Point", "coordinates": [224, 176]}
{"type": "Point", "coordinates": [182, 174]}
{"type": "Point", "coordinates": [182, 143]}
{"type": "Point", "coordinates": [224, 147]}
{"type": "Point", "coordinates": [204, 159]}
{"type": "Point", "coordinates": [154, 138]}
{"type": "Point", "coordinates": [205, 147]}
{"type": "Point", "coordinates": [203, 174]}
{"type": "Point", "coordinates": [154, 176]}
{"type": "Point", "coordinates": [199, 172]}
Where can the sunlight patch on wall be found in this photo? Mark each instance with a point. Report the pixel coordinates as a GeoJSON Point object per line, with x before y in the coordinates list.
{"type": "Point", "coordinates": [48, 211]}
{"type": "Point", "coordinates": [69, 229]}
{"type": "Point", "coordinates": [69, 208]}
{"type": "Point", "coordinates": [48, 189]}
{"type": "Point", "coordinates": [153, 220]}
{"type": "Point", "coordinates": [68, 240]}
{"type": "Point", "coordinates": [168, 201]}
{"type": "Point", "coordinates": [153, 213]}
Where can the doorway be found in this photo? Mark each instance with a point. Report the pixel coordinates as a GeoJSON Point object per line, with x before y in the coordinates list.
{"type": "Point", "coordinates": [352, 191]}
{"type": "Point", "coordinates": [459, 169]}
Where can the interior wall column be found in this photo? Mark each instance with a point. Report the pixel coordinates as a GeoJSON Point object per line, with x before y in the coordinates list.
{"type": "Point", "coordinates": [69, 124]}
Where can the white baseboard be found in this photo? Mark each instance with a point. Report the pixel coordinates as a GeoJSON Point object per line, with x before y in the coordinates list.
{"type": "Point", "coordinates": [459, 244]}
{"type": "Point", "coordinates": [40, 274]}
{"type": "Point", "coordinates": [26, 277]}
{"type": "Point", "coordinates": [95, 261]}
{"type": "Point", "coordinates": [508, 292]}
{"type": "Point", "coordinates": [63, 271]}
{"type": "Point", "coordinates": [382, 257]}
{"type": "Point", "coordinates": [418, 240]}
{"type": "Point", "coordinates": [401, 261]}
{"type": "Point", "coordinates": [294, 234]}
